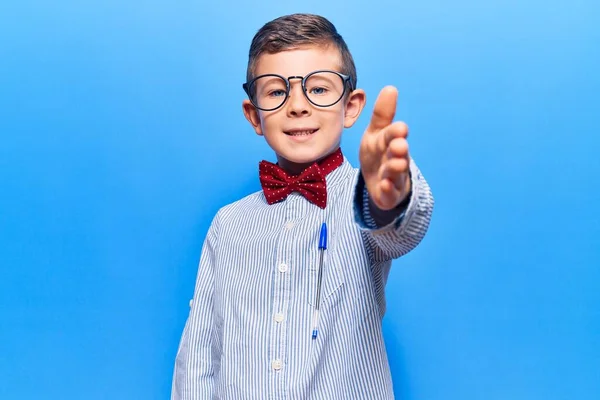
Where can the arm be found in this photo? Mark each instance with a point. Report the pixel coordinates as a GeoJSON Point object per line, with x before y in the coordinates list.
{"type": "Point", "coordinates": [389, 234]}
{"type": "Point", "coordinates": [193, 373]}
{"type": "Point", "coordinates": [392, 202]}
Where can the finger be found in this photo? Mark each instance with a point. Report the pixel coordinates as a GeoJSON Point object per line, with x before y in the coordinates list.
{"type": "Point", "coordinates": [395, 170]}
{"type": "Point", "coordinates": [395, 130]}
{"type": "Point", "coordinates": [397, 148]}
{"type": "Point", "coordinates": [388, 194]}
{"type": "Point", "coordinates": [384, 109]}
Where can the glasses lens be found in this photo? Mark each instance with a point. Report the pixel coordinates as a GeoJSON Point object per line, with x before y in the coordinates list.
{"type": "Point", "coordinates": [324, 88]}
{"type": "Point", "coordinates": [269, 92]}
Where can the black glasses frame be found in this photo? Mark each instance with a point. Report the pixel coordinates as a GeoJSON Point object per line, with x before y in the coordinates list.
{"type": "Point", "coordinates": [347, 81]}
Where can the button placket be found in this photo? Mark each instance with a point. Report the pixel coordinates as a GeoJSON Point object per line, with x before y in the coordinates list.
{"type": "Point", "coordinates": [283, 275]}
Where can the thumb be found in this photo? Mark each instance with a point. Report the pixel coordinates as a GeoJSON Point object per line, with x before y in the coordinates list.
{"type": "Point", "coordinates": [384, 109]}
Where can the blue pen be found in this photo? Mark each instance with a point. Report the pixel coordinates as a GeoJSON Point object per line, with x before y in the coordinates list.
{"type": "Point", "coordinates": [322, 248]}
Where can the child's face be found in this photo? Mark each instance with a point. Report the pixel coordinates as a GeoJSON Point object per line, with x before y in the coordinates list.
{"type": "Point", "coordinates": [286, 128]}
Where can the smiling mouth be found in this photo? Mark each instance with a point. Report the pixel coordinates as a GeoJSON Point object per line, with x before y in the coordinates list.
{"type": "Point", "coordinates": [301, 133]}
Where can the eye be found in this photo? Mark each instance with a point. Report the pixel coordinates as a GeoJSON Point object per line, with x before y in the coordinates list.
{"type": "Point", "coordinates": [277, 93]}
{"type": "Point", "coordinates": [318, 90]}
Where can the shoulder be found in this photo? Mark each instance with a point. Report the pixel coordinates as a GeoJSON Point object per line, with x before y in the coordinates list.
{"type": "Point", "coordinates": [245, 206]}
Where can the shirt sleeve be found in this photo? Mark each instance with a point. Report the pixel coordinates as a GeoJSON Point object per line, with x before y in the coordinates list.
{"type": "Point", "coordinates": [193, 372]}
{"type": "Point", "coordinates": [406, 231]}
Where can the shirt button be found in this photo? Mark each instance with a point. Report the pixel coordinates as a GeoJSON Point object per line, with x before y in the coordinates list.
{"type": "Point", "coordinates": [283, 267]}
{"type": "Point", "coordinates": [289, 225]}
{"type": "Point", "coordinates": [276, 364]}
{"type": "Point", "coordinates": [191, 302]}
{"type": "Point", "coordinates": [278, 317]}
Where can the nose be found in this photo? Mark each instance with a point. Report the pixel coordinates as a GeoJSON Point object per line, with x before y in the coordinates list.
{"type": "Point", "coordinates": [298, 105]}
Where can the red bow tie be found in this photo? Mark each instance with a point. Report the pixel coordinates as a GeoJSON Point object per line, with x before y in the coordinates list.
{"type": "Point", "coordinates": [278, 184]}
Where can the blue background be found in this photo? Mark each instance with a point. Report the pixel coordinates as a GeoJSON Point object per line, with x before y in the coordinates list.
{"type": "Point", "coordinates": [112, 115]}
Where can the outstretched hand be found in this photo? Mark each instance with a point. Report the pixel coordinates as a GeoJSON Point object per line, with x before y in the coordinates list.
{"type": "Point", "coordinates": [383, 154]}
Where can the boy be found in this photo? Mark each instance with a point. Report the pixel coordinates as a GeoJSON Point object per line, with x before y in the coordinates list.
{"type": "Point", "coordinates": [289, 297]}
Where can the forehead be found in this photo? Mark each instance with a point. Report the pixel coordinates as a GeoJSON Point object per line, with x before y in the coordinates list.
{"type": "Point", "coordinates": [299, 61]}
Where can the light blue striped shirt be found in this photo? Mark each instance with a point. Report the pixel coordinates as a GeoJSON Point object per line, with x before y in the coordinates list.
{"type": "Point", "coordinates": [248, 333]}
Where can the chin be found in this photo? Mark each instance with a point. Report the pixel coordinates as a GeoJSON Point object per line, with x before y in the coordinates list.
{"type": "Point", "coordinates": [305, 157]}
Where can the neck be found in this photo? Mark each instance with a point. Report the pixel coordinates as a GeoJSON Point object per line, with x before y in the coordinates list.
{"type": "Point", "coordinates": [294, 168]}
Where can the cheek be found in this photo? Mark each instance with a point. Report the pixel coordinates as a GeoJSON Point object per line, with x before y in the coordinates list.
{"type": "Point", "coordinates": [268, 122]}
{"type": "Point", "coordinates": [335, 120]}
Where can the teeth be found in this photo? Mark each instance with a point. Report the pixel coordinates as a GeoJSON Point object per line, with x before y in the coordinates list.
{"type": "Point", "coordinates": [301, 133]}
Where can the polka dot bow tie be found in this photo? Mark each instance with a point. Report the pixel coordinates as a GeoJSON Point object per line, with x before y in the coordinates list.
{"type": "Point", "coordinates": [278, 184]}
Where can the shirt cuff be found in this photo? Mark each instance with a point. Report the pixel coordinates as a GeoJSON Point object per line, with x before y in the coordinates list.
{"type": "Point", "coordinates": [363, 207]}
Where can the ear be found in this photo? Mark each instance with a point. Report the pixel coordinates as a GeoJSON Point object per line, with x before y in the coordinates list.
{"type": "Point", "coordinates": [354, 106]}
{"type": "Point", "coordinates": [251, 114]}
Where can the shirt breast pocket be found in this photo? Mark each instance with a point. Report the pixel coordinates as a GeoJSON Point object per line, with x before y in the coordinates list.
{"type": "Point", "coordinates": [332, 279]}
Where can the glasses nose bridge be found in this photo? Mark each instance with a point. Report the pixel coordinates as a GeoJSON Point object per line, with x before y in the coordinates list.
{"type": "Point", "coordinates": [302, 88]}
{"type": "Point", "coordinates": [290, 78]}
{"type": "Point", "coordinates": [295, 77]}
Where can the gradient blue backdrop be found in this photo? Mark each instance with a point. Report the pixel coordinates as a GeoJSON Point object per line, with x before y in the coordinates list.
{"type": "Point", "coordinates": [112, 115]}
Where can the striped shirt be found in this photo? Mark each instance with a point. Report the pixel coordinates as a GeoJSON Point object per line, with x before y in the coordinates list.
{"type": "Point", "coordinates": [248, 333]}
